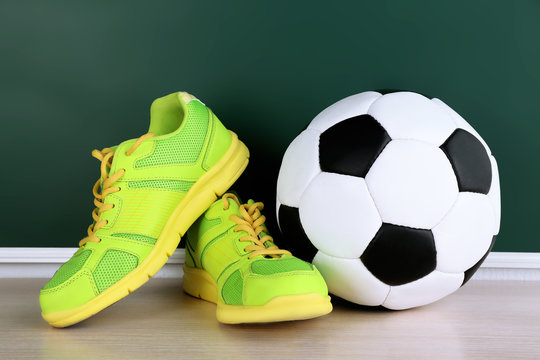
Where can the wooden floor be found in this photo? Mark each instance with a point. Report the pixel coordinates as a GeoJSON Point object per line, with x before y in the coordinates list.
{"type": "Point", "coordinates": [483, 320]}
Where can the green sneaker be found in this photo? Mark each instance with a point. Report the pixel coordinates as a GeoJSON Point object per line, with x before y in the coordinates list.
{"type": "Point", "coordinates": [150, 191]}
{"type": "Point", "coordinates": [232, 261]}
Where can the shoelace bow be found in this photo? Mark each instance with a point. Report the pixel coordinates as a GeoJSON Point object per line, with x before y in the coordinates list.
{"type": "Point", "coordinates": [105, 182]}
{"type": "Point", "coordinates": [252, 222]}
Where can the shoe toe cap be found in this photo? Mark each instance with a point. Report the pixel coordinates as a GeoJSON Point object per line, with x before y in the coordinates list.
{"type": "Point", "coordinates": [259, 289]}
{"type": "Point", "coordinates": [70, 294]}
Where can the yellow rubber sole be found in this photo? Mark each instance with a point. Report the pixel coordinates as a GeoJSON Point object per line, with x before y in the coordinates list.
{"type": "Point", "coordinates": [199, 198]}
{"type": "Point", "coordinates": [199, 283]}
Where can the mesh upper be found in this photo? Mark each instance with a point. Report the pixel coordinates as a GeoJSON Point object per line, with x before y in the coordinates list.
{"type": "Point", "coordinates": [174, 185]}
{"type": "Point", "coordinates": [279, 265]}
{"type": "Point", "coordinates": [185, 146]}
{"type": "Point", "coordinates": [232, 289]}
{"type": "Point", "coordinates": [136, 237]}
{"type": "Point", "coordinates": [68, 269]}
{"type": "Point", "coordinates": [114, 265]}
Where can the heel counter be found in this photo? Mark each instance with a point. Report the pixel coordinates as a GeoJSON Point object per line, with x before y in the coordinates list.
{"type": "Point", "coordinates": [220, 140]}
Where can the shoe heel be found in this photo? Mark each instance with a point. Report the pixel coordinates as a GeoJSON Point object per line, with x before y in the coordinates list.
{"type": "Point", "coordinates": [199, 283]}
{"type": "Point", "coordinates": [234, 166]}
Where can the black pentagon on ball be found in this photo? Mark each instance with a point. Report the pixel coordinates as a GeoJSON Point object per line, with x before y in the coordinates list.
{"type": "Point", "coordinates": [398, 255]}
{"type": "Point", "coordinates": [351, 146]}
{"type": "Point", "coordinates": [470, 161]}
{"type": "Point", "coordinates": [294, 236]}
{"type": "Point", "coordinates": [470, 272]}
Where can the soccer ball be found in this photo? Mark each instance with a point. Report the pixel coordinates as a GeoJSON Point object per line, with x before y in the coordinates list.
{"type": "Point", "coordinates": [395, 198]}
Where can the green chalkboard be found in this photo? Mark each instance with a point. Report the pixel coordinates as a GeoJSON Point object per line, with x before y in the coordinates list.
{"type": "Point", "coordinates": [81, 75]}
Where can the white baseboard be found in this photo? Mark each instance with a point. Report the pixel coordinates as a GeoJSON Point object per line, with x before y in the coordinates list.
{"type": "Point", "coordinates": [43, 262]}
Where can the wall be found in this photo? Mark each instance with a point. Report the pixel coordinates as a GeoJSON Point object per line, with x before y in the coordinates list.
{"type": "Point", "coordinates": [81, 75]}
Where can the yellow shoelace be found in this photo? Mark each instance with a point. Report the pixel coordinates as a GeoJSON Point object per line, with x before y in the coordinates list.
{"type": "Point", "coordinates": [252, 222]}
{"type": "Point", "coordinates": [105, 182]}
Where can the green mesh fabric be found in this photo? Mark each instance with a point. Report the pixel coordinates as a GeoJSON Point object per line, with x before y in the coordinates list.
{"type": "Point", "coordinates": [114, 265]}
{"type": "Point", "coordinates": [174, 185]}
{"type": "Point", "coordinates": [136, 237]}
{"type": "Point", "coordinates": [68, 269]}
{"type": "Point", "coordinates": [232, 289]}
{"type": "Point", "coordinates": [275, 266]}
{"type": "Point", "coordinates": [185, 146]}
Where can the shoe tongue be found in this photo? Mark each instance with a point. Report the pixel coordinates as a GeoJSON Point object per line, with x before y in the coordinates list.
{"type": "Point", "coordinates": [233, 204]}
{"type": "Point", "coordinates": [167, 113]}
{"type": "Point", "coordinates": [112, 160]}
{"type": "Point", "coordinates": [235, 194]}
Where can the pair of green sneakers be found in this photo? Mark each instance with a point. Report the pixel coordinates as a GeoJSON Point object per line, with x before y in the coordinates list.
{"type": "Point", "coordinates": [167, 183]}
